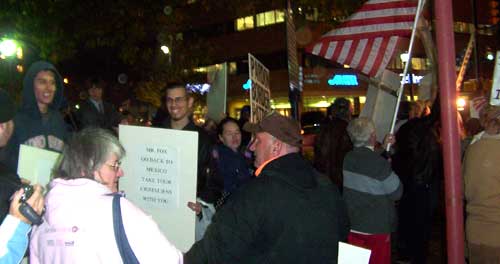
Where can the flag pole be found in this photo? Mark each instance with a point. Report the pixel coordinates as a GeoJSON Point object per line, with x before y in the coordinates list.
{"type": "Point", "coordinates": [420, 6]}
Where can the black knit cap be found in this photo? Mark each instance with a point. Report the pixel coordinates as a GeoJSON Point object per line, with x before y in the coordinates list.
{"type": "Point", "coordinates": [7, 107]}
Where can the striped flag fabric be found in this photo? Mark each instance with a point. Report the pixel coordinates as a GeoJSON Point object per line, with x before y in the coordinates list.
{"type": "Point", "coordinates": [367, 40]}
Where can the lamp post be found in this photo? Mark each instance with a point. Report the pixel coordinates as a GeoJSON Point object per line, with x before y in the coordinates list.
{"type": "Point", "coordinates": [166, 50]}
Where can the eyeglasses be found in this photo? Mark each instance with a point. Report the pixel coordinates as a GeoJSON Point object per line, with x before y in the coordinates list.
{"type": "Point", "coordinates": [116, 166]}
{"type": "Point", "coordinates": [176, 100]}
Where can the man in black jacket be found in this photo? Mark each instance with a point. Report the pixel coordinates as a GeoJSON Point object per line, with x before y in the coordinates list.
{"type": "Point", "coordinates": [95, 111]}
{"type": "Point", "coordinates": [179, 105]}
{"type": "Point", "coordinates": [288, 214]}
{"type": "Point", "coordinates": [8, 178]}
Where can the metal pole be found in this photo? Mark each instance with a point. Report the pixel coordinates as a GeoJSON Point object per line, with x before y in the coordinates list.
{"type": "Point", "coordinates": [476, 43]}
{"type": "Point", "coordinates": [451, 143]}
{"type": "Point", "coordinates": [420, 6]}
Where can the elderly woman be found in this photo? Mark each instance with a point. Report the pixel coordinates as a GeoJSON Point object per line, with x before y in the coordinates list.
{"type": "Point", "coordinates": [370, 191]}
{"type": "Point", "coordinates": [78, 226]}
{"type": "Point", "coordinates": [482, 190]}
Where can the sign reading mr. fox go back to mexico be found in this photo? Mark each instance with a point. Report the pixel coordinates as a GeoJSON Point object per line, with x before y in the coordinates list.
{"type": "Point", "coordinates": [260, 93]}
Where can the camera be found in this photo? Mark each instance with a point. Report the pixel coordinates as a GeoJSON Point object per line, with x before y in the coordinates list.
{"type": "Point", "coordinates": [25, 209]}
{"type": "Point", "coordinates": [28, 191]}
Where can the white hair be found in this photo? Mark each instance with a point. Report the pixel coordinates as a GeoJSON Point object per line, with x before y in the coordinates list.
{"type": "Point", "coordinates": [360, 131]}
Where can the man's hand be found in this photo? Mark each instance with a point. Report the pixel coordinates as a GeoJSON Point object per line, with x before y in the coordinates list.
{"type": "Point", "coordinates": [196, 207]}
{"type": "Point", "coordinates": [36, 201]}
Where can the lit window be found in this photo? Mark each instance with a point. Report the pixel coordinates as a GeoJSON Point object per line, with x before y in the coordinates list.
{"type": "Point", "coordinates": [280, 16]}
{"type": "Point", "coordinates": [233, 67]}
{"type": "Point", "coordinates": [312, 15]}
{"type": "Point", "coordinates": [270, 17]}
{"type": "Point", "coordinates": [244, 23]}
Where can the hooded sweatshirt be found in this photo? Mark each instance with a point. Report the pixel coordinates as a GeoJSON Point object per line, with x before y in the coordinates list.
{"type": "Point", "coordinates": [46, 131]}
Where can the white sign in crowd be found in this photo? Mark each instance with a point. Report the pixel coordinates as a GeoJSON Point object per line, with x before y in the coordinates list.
{"type": "Point", "coordinates": [160, 177]}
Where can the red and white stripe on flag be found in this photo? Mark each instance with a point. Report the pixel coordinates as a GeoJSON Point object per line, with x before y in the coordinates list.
{"type": "Point", "coordinates": [367, 40]}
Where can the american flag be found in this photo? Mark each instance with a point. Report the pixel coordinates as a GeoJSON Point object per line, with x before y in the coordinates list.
{"type": "Point", "coordinates": [367, 40]}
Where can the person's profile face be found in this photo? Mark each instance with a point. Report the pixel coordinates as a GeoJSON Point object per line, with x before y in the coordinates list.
{"type": "Point", "coordinates": [6, 130]}
{"type": "Point", "coordinates": [262, 145]}
{"type": "Point", "coordinates": [110, 172]}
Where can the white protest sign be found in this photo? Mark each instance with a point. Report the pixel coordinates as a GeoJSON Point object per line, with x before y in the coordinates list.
{"type": "Point", "coordinates": [495, 88]}
{"type": "Point", "coordinates": [36, 164]}
{"type": "Point", "coordinates": [160, 169]}
{"type": "Point", "coordinates": [349, 254]}
{"type": "Point", "coordinates": [216, 97]}
{"type": "Point", "coordinates": [260, 93]}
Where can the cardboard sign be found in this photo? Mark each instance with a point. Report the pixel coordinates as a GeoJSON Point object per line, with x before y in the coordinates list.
{"type": "Point", "coordinates": [495, 88]}
{"type": "Point", "coordinates": [36, 164]}
{"type": "Point", "coordinates": [216, 97]}
{"type": "Point", "coordinates": [160, 169]}
{"type": "Point", "coordinates": [260, 93]}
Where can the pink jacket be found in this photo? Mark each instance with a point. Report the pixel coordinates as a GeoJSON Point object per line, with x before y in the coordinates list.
{"type": "Point", "coordinates": [78, 228]}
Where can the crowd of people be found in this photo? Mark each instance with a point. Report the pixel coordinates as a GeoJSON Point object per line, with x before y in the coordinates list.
{"type": "Point", "coordinates": [258, 199]}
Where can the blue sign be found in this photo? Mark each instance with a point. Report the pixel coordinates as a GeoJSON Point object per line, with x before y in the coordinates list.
{"type": "Point", "coordinates": [343, 80]}
{"type": "Point", "coordinates": [247, 85]}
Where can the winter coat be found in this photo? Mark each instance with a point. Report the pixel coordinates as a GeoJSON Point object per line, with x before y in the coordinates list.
{"type": "Point", "coordinates": [370, 191]}
{"type": "Point", "coordinates": [286, 215]}
{"type": "Point", "coordinates": [482, 191]}
{"type": "Point", "coordinates": [209, 185]}
{"type": "Point", "coordinates": [78, 228]}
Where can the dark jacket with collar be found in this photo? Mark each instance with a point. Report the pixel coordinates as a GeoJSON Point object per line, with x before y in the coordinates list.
{"type": "Point", "coordinates": [289, 214]}
{"type": "Point", "coordinates": [9, 183]}
{"type": "Point", "coordinates": [89, 115]}
{"type": "Point", "coordinates": [209, 184]}
{"type": "Point", "coordinates": [46, 131]}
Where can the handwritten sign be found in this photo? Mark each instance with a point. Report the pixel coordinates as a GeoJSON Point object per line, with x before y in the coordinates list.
{"type": "Point", "coordinates": [160, 169]}
{"type": "Point", "coordinates": [260, 93]}
{"type": "Point", "coordinates": [495, 88]}
{"type": "Point", "coordinates": [158, 176]}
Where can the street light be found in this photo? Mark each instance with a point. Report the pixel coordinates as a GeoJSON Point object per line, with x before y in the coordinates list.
{"type": "Point", "coordinates": [8, 47]}
{"type": "Point", "coordinates": [165, 49]}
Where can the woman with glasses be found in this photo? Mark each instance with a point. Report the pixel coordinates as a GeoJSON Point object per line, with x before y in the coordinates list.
{"type": "Point", "coordinates": [78, 221]}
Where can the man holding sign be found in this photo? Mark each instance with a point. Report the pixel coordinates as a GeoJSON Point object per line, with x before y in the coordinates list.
{"type": "Point", "coordinates": [288, 214]}
{"type": "Point", "coordinates": [179, 104]}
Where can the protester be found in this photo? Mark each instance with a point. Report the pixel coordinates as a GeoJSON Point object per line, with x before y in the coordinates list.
{"type": "Point", "coordinates": [39, 122]}
{"type": "Point", "coordinates": [370, 191]}
{"type": "Point", "coordinates": [482, 191]}
{"type": "Point", "coordinates": [332, 142]}
{"type": "Point", "coordinates": [7, 175]}
{"type": "Point", "coordinates": [231, 163]}
{"type": "Point", "coordinates": [95, 111]}
{"type": "Point", "coordinates": [417, 160]}
{"type": "Point", "coordinates": [179, 105]}
{"type": "Point", "coordinates": [286, 215]}
{"type": "Point", "coordinates": [15, 227]}
{"type": "Point", "coordinates": [78, 222]}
